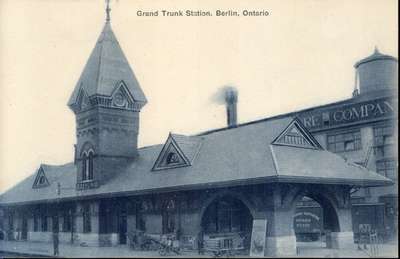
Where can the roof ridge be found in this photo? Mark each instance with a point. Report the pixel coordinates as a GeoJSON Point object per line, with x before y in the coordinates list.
{"type": "Point", "coordinates": [100, 41]}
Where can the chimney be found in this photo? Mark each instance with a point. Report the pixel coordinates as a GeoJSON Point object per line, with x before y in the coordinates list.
{"type": "Point", "coordinates": [231, 110]}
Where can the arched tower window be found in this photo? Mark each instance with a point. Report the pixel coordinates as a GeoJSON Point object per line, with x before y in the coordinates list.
{"type": "Point", "coordinates": [90, 167]}
{"type": "Point", "coordinates": [84, 166]}
{"type": "Point", "coordinates": [87, 165]}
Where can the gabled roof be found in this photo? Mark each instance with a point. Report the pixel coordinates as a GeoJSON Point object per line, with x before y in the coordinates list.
{"type": "Point", "coordinates": [296, 135]}
{"type": "Point", "coordinates": [41, 179]}
{"type": "Point", "coordinates": [23, 191]}
{"type": "Point", "coordinates": [183, 148]}
{"type": "Point", "coordinates": [235, 156]}
{"type": "Point", "coordinates": [106, 67]}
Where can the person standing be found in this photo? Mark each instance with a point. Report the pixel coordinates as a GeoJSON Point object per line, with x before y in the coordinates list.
{"type": "Point", "coordinates": [200, 242]}
{"type": "Point", "coordinates": [55, 243]}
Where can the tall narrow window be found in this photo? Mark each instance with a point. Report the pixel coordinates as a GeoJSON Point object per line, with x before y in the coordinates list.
{"type": "Point", "coordinates": [35, 222]}
{"type": "Point", "coordinates": [140, 221]}
{"type": "Point", "coordinates": [86, 219]}
{"type": "Point", "coordinates": [11, 221]}
{"type": "Point", "coordinates": [84, 167]}
{"type": "Point", "coordinates": [90, 166]}
{"type": "Point", "coordinates": [67, 221]}
{"type": "Point", "coordinates": [87, 165]}
{"type": "Point", "coordinates": [44, 223]}
{"type": "Point", "coordinates": [168, 217]}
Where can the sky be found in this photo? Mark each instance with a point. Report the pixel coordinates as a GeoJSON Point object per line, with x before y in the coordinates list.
{"type": "Point", "coordinates": [299, 56]}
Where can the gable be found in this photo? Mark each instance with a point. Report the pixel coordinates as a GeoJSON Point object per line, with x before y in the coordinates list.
{"type": "Point", "coordinates": [41, 179]}
{"type": "Point", "coordinates": [171, 156]}
{"type": "Point", "coordinates": [121, 96]}
{"type": "Point", "coordinates": [83, 100]}
{"type": "Point", "coordinates": [296, 135]}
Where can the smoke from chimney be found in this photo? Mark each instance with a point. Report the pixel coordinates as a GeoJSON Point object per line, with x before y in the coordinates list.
{"type": "Point", "coordinates": [228, 95]}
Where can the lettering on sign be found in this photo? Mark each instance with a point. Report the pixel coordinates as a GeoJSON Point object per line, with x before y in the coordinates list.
{"type": "Point", "coordinates": [348, 113]}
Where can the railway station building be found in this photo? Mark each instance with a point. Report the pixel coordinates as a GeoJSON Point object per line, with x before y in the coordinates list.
{"type": "Point", "coordinates": [216, 183]}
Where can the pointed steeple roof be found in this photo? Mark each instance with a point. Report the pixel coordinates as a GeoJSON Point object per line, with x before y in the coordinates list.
{"type": "Point", "coordinates": [106, 67]}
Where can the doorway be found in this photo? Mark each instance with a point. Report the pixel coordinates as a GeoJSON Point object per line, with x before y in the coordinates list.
{"type": "Point", "coordinates": [122, 228]}
{"type": "Point", "coordinates": [314, 220]}
{"type": "Point", "coordinates": [228, 217]}
{"type": "Point", "coordinates": [24, 229]}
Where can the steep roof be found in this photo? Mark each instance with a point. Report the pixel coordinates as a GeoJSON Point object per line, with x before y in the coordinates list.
{"type": "Point", "coordinates": [106, 67]}
{"type": "Point", "coordinates": [234, 156]}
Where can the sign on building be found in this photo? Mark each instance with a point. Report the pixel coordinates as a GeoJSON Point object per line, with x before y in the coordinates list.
{"type": "Point", "coordinates": [258, 235]}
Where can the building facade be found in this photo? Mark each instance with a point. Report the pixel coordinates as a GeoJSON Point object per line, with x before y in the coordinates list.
{"type": "Point", "coordinates": [363, 129]}
{"type": "Point", "coordinates": [242, 181]}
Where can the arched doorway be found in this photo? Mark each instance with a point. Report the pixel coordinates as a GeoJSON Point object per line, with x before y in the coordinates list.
{"type": "Point", "coordinates": [315, 218]}
{"type": "Point", "coordinates": [227, 217]}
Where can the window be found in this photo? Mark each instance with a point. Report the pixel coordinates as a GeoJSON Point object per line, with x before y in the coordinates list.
{"type": "Point", "coordinates": [172, 158]}
{"type": "Point", "coordinates": [90, 166]}
{"type": "Point", "coordinates": [387, 168]}
{"type": "Point", "coordinates": [87, 165]}
{"type": "Point", "coordinates": [168, 217]}
{"type": "Point", "coordinates": [11, 221]}
{"type": "Point", "coordinates": [384, 141]}
{"type": "Point", "coordinates": [42, 180]}
{"type": "Point", "coordinates": [44, 223]}
{"type": "Point", "coordinates": [140, 221]}
{"type": "Point", "coordinates": [35, 222]}
{"type": "Point", "coordinates": [84, 167]}
{"type": "Point", "coordinates": [344, 141]}
{"type": "Point", "coordinates": [67, 218]}
{"type": "Point", "coordinates": [325, 118]}
{"type": "Point", "coordinates": [86, 219]}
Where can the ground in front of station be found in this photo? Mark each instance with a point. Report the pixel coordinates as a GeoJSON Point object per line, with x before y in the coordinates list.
{"type": "Point", "coordinates": [305, 249]}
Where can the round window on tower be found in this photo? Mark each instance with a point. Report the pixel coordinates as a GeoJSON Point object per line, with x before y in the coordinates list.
{"type": "Point", "coordinates": [119, 99]}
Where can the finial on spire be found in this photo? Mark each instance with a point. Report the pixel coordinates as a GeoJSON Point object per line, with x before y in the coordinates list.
{"type": "Point", "coordinates": [108, 10]}
{"type": "Point", "coordinates": [376, 51]}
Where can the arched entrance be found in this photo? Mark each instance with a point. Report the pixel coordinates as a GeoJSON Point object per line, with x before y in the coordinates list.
{"type": "Point", "coordinates": [227, 217]}
{"type": "Point", "coordinates": [315, 218]}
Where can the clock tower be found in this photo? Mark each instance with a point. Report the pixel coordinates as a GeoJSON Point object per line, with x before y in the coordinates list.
{"type": "Point", "coordinates": [106, 101]}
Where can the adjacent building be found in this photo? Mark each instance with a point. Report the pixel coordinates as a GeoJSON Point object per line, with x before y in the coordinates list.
{"type": "Point", "coordinates": [363, 129]}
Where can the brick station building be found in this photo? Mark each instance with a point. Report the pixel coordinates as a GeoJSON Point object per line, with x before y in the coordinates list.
{"type": "Point", "coordinates": [216, 183]}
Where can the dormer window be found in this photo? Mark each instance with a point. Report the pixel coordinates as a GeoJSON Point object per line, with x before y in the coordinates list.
{"type": "Point", "coordinates": [296, 135]}
{"type": "Point", "coordinates": [178, 151]}
{"type": "Point", "coordinates": [87, 165]}
{"type": "Point", "coordinates": [40, 180]}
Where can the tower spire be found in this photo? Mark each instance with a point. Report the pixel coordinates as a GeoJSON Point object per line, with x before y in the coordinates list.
{"type": "Point", "coordinates": [108, 10]}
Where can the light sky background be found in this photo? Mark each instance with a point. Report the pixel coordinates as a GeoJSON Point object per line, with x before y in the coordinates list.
{"type": "Point", "coordinates": [300, 56]}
